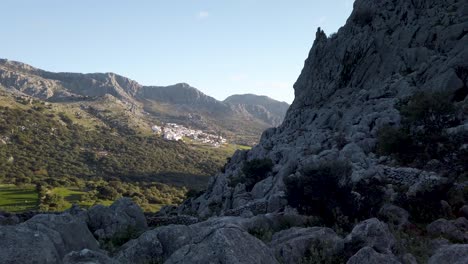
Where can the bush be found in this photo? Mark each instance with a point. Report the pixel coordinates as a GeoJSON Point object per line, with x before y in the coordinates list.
{"type": "Point", "coordinates": [425, 206]}
{"type": "Point", "coordinates": [253, 172]}
{"type": "Point", "coordinates": [318, 190]}
{"type": "Point", "coordinates": [324, 190]}
{"type": "Point", "coordinates": [422, 136]}
{"type": "Point", "coordinates": [397, 142]}
{"type": "Point", "coordinates": [434, 111]}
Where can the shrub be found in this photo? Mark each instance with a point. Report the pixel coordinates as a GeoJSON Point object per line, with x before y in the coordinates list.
{"type": "Point", "coordinates": [434, 111]}
{"type": "Point", "coordinates": [318, 190]}
{"type": "Point", "coordinates": [397, 141]}
{"type": "Point", "coordinates": [425, 206]}
{"type": "Point", "coordinates": [253, 172]}
{"type": "Point", "coordinates": [422, 136]}
{"type": "Point", "coordinates": [324, 190]}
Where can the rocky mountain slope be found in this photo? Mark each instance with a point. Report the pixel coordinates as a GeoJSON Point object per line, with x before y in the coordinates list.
{"type": "Point", "coordinates": [369, 165]}
{"type": "Point", "coordinates": [240, 121]}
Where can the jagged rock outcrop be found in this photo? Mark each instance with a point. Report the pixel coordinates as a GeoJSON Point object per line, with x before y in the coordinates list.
{"type": "Point", "coordinates": [349, 89]}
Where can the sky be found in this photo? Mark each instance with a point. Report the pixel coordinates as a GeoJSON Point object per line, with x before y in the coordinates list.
{"type": "Point", "coordinates": [221, 47]}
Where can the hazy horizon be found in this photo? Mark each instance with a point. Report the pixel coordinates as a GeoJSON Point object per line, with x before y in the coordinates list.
{"type": "Point", "coordinates": [219, 48]}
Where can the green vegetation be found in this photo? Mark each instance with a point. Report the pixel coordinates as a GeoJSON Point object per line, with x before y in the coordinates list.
{"type": "Point", "coordinates": [253, 172]}
{"type": "Point", "coordinates": [422, 136]}
{"type": "Point", "coordinates": [18, 199]}
{"type": "Point", "coordinates": [68, 158]}
{"type": "Point", "coordinates": [317, 191]}
{"type": "Point", "coordinates": [324, 190]}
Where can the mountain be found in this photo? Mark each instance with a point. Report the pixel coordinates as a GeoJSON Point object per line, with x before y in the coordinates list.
{"type": "Point", "coordinates": [240, 121]}
{"type": "Point", "coordinates": [261, 107]}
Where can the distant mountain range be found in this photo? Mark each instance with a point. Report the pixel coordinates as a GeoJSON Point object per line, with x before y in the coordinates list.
{"type": "Point", "coordinates": [240, 118]}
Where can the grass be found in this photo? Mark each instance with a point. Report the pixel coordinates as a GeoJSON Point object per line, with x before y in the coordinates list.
{"type": "Point", "coordinates": [18, 199]}
{"type": "Point", "coordinates": [73, 196]}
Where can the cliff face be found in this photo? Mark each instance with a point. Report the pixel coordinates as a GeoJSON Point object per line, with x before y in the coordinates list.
{"type": "Point", "coordinates": [349, 89]}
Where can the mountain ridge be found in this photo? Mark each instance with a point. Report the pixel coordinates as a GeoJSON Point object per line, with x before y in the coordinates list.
{"type": "Point", "coordinates": [179, 103]}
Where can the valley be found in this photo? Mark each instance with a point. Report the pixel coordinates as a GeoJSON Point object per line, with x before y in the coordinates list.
{"type": "Point", "coordinates": [97, 151]}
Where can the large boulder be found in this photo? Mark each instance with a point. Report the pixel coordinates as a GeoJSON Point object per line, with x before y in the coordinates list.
{"type": "Point", "coordinates": [453, 254]}
{"type": "Point", "coordinates": [368, 255]}
{"type": "Point", "coordinates": [394, 216]}
{"type": "Point", "coordinates": [296, 244]}
{"type": "Point", "coordinates": [20, 244]}
{"type": "Point", "coordinates": [155, 245]}
{"type": "Point", "coordinates": [48, 238]}
{"type": "Point", "coordinates": [371, 233]}
{"type": "Point", "coordinates": [455, 230]}
{"type": "Point", "coordinates": [228, 244]}
{"type": "Point", "coordinates": [122, 219]}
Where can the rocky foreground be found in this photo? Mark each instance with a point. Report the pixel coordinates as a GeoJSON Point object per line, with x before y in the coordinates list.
{"type": "Point", "coordinates": [104, 235]}
{"type": "Point", "coordinates": [369, 166]}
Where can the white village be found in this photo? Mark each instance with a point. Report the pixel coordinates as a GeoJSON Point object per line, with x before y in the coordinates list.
{"type": "Point", "coordinates": [176, 132]}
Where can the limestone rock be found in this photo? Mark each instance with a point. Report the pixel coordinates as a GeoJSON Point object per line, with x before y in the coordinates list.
{"type": "Point", "coordinates": [224, 245]}
{"type": "Point", "coordinates": [119, 219]}
{"type": "Point", "coordinates": [456, 230]}
{"type": "Point", "coordinates": [48, 238]}
{"type": "Point", "coordinates": [295, 244]}
{"type": "Point", "coordinates": [371, 233]}
{"type": "Point", "coordinates": [454, 254]}
{"type": "Point", "coordinates": [155, 245]}
{"type": "Point", "coordinates": [394, 216]}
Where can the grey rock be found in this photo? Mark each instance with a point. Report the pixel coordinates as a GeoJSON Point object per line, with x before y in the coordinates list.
{"type": "Point", "coordinates": [40, 248]}
{"type": "Point", "coordinates": [463, 211]}
{"type": "Point", "coordinates": [87, 256]}
{"type": "Point", "coordinates": [371, 233]}
{"type": "Point", "coordinates": [408, 259]}
{"type": "Point", "coordinates": [155, 245]}
{"type": "Point", "coordinates": [293, 245]}
{"type": "Point", "coordinates": [48, 238]}
{"type": "Point", "coordinates": [394, 216]}
{"type": "Point", "coordinates": [456, 230]}
{"type": "Point", "coordinates": [119, 219]}
{"type": "Point", "coordinates": [368, 255]}
{"type": "Point", "coordinates": [437, 243]}
{"type": "Point", "coordinates": [221, 245]}
{"type": "Point", "coordinates": [453, 254]}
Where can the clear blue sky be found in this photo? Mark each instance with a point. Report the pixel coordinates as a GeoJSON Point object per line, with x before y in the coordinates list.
{"type": "Point", "coordinates": [221, 47]}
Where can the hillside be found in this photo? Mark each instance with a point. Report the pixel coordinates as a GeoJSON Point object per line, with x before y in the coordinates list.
{"type": "Point", "coordinates": [241, 122]}
{"type": "Point", "coordinates": [85, 146]}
